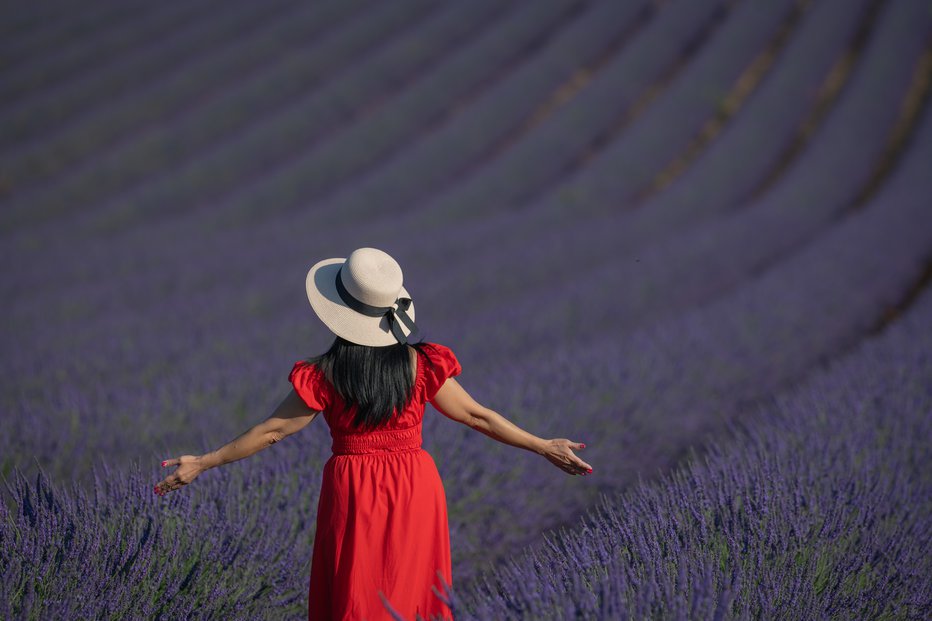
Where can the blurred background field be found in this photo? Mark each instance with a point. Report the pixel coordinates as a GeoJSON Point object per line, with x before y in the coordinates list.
{"type": "Point", "coordinates": [695, 235]}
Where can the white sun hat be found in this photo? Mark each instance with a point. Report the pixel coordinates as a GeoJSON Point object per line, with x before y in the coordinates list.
{"type": "Point", "coordinates": [361, 298]}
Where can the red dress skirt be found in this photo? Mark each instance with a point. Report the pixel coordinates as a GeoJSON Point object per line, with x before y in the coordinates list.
{"type": "Point", "coordinates": [382, 534]}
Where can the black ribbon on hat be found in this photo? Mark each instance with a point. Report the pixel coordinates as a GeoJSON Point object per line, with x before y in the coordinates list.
{"type": "Point", "coordinates": [390, 312]}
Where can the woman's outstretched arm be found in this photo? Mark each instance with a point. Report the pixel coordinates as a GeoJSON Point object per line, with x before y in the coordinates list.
{"type": "Point", "coordinates": [291, 415]}
{"type": "Point", "coordinates": [455, 403]}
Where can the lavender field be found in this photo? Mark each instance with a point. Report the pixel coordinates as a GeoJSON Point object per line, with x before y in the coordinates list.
{"type": "Point", "coordinates": [694, 235]}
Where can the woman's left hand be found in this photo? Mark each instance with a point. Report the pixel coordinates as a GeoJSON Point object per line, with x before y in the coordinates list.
{"type": "Point", "coordinates": [189, 467]}
{"type": "Point", "coordinates": [560, 453]}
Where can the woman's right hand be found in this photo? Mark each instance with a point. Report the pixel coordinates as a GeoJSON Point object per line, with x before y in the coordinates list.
{"type": "Point", "coordinates": [559, 451]}
{"type": "Point", "coordinates": [189, 468]}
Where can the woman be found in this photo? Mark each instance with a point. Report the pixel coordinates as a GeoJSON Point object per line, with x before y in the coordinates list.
{"type": "Point", "coordinates": [382, 534]}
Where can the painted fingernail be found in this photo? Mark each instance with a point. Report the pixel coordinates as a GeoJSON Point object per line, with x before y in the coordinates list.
{"type": "Point", "coordinates": [583, 445]}
{"type": "Point", "coordinates": [590, 469]}
{"type": "Point", "coordinates": [164, 462]}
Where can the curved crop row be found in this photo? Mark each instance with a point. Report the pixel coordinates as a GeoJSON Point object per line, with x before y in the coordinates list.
{"type": "Point", "coordinates": [28, 121]}
{"type": "Point", "coordinates": [338, 158]}
{"type": "Point", "coordinates": [807, 509]}
{"type": "Point", "coordinates": [430, 163]}
{"type": "Point", "coordinates": [589, 242]}
{"type": "Point", "coordinates": [681, 269]}
{"type": "Point", "coordinates": [868, 112]}
{"type": "Point", "coordinates": [71, 43]}
{"type": "Point", "coordinates": [745, 152]}
{"type": "Point", "coordinates": [221, 90]}
{"type": "Point", "coordinates": [276, 111]}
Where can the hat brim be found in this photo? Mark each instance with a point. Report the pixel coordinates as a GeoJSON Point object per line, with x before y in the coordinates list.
{"type": "Point", "coordinates": [338, 317]}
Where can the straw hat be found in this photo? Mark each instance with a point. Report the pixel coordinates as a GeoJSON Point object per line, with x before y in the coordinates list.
{"type": "Point", "coordinates": [361, 298]}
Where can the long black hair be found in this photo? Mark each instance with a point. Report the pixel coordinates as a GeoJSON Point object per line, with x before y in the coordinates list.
{"type": "Point", "coordinates": [378, 380]}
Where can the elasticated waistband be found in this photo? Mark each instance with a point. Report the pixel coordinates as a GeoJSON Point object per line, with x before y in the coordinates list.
{"type": "Point", "coordinates": [382, 441]}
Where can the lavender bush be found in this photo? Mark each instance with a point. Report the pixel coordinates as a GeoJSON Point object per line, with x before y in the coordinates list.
{"type": "Point", "coordinates": [818, 505]}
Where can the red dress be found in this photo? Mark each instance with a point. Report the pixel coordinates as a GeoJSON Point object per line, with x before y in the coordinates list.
{"type": "Point", "coordinates": [382, 515]}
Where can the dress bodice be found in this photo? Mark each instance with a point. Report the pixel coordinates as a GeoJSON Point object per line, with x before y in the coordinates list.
{"type": "Point", "coordinates": [402, 431]}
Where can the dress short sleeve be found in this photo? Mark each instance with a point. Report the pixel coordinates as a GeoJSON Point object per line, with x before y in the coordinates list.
{"type": "Point", "coordinates": [310, 384]}
{"type": "Point", "coordinates": [444, 365]}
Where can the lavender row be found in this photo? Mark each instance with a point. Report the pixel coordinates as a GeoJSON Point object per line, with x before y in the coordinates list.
{"type": "Point", "coordinates": [328, 163]}
{"type": "Point", "coordinates": [733, 166]}
{"type": "Point", "coordinates": [534, 161]}
{"type": "Point", "coordinates": [32, 118]}
{"type": "Point", "coordinates": [231, 164]}
{"type": "Point", "coordinates": [55, 38]}
{"type": "Point", "coordinates": [45, 64]}
{"type": "Point", "coordinates": [536, 157]}
{"type": "Point", "coordinates": [591, 241]}
{"type": "Point", "coordinates": [821, 181]}
{"type": "Point", "coordinates": [671, 25]}
{"type": "Point", "coordinates": [47, 30]}
{"type": "Point", "coordinates": [265, 116]}
{"type": "Point", "coordinates": [651, 52]}
{"type": "Point", "coordinates": [681, 270]}
{"type": "Point", "coordinates": [238, 135]}
{"type": "Point", "coordinates": [816, 506]}
{"type": "Point", "coordinates": [644, 46]}
{"type": "Point", "coordinates": [486, 240]}
{"type": "Point", "coordinates": [248, 74]}
{"type": "Point", "coordinates": [666, 124]}
{"type": "Point", "coordinates": [496, 116]}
